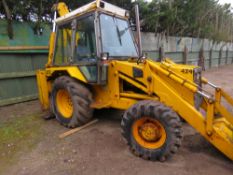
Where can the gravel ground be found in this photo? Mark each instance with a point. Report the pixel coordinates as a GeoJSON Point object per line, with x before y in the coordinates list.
{"type": "Point", "coordinates": [30, 145]}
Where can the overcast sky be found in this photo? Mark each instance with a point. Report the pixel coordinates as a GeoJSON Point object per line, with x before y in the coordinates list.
{"type": "Point", "coordinates": [220, 1]}
{"type": "Point", "coordinates": [226, 1]}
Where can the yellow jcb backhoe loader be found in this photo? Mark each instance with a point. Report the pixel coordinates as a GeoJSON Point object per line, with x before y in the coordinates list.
{"type": "Point", "coordinates": [95, 62]}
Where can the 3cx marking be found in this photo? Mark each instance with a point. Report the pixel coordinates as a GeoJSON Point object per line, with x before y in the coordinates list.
{"type": "Point", "coordinates": [187, 71]}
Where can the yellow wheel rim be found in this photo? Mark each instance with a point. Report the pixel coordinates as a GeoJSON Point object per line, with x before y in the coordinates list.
{"type": "Point", "coordinates": [149, 133]}
{"type": "Point", "coordinates": [64, 103]}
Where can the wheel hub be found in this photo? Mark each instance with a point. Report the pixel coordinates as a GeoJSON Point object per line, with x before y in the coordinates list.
{"type": "Point", "coordinates": [64, 103]}
{"type": "Point", "coordinates": [150, 132]}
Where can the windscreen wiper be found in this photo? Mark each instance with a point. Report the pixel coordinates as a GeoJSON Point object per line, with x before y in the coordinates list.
{"type": "Point", "coordinates": [118, 31]}
{"type": "Point", "coordinates": [122, 32]}
{"type": "Point", "coordinates": [119, 35]}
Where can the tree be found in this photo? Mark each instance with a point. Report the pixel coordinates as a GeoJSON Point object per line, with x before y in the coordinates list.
{"type": "Point", "coordinates": [194, 18]}
{"type": "Point", "coordinates": [9, 20]}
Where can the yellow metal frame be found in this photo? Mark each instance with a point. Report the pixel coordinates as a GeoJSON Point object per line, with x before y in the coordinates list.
{"type": "Point", "coordinates": [164, 82]}
{"type": "Point", "coordinates": [170, 86]}
{"type": "Point", "coordinates": [43, 88]}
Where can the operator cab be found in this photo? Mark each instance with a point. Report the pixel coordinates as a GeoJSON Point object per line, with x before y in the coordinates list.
{"type": "Point", "coordinates": [92, 35]}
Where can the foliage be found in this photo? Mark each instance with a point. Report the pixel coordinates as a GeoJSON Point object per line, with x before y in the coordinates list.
{"type": "Point", "coordinates": [194, 18]}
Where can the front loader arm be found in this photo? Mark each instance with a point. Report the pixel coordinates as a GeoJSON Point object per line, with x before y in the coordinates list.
{"type": "Point", "coordinates": [158, 82]}
{"type": "Point", "coordinates": [217, 130]}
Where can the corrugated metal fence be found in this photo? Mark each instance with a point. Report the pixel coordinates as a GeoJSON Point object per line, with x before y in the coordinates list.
{"type": "Point", "coordinates": [202, 52]}
{"type": "Point", "coordinates": [20, 57]}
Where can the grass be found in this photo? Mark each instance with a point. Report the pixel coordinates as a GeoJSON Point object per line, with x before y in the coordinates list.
{"type": "Point", "coordinates": [17, 135]}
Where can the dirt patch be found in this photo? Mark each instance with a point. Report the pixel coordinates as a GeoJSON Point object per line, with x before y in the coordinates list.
{"type": "Point", "coordinates": [18, 134]}
{"type": "Point", "coordinates": [30, 145]}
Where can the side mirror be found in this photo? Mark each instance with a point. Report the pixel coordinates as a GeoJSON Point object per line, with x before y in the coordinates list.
{"type": "Point", "coordinates": [133, 27]}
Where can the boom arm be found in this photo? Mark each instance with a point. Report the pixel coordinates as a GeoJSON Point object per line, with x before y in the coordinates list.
{"type": "Point", "coordinates": [218, 130]}
{"type": "Point", "coordinates": [62, 9]}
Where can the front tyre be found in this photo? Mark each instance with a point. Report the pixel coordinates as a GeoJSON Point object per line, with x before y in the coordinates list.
{"type": "Point", "coordinates": [152, 130]}
{"type": "Point", "coordinates": [71, 102]}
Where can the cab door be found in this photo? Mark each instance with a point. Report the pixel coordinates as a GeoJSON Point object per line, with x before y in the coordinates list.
{"type": "Point", "coordinates": [76, 45]}
{"type": "Point", "coordinates": [85, 50]}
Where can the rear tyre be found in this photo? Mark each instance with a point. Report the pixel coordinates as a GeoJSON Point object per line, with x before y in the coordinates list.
{"type": "Point", "coordinates": [71, 102]}
{"type": "Point", "coordinates": [152, 130]}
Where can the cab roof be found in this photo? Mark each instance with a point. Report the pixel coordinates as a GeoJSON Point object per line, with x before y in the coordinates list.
{"type": "Point", "coordinates": [98, 4]}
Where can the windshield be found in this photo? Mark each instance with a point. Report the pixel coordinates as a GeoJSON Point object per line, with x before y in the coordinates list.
{"type": "Point", "coordinates": [116, 37]}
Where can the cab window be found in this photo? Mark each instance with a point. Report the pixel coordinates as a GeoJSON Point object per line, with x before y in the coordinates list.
{"type": "Point", "coordinates": [85, 45]}
{"type": "Point", "coordinates": [63, 44]}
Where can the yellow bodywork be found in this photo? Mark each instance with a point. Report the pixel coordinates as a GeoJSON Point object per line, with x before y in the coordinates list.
{"type": "Point", "coordinates": [165, 81]}
{"type": "Point", "coordinates": [62, 9]}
